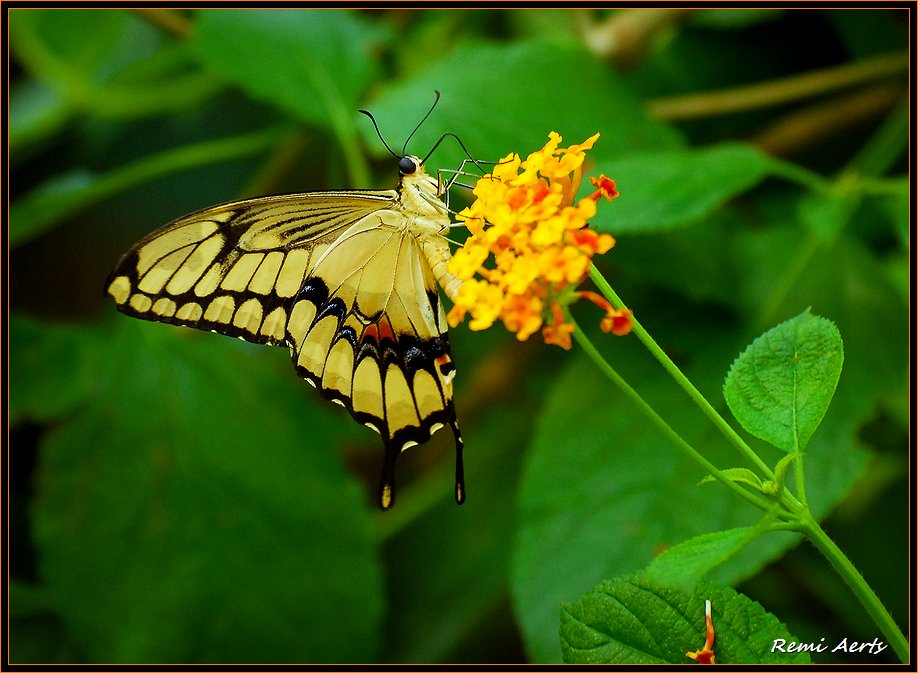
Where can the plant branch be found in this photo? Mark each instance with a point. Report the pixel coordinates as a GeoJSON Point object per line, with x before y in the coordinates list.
{"type": "Point", "coordinates": [775, 92]}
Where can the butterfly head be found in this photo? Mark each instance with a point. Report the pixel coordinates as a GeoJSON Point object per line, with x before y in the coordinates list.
{"type": "Point", "coordinates": [409, 165]}
{"type": "Point", "coordinates": [416, 179]}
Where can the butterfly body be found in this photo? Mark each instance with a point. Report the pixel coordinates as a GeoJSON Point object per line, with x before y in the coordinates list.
{"type": "Point", "coordinates": [346, 279]}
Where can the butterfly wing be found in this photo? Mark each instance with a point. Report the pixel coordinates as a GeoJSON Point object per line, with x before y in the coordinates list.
{"type": "Point", "coordinates": [235, 268]}
{"type": "Point", "coordinates": [339, 277]}
{"type": "Point", "coordinates": [369, 331]}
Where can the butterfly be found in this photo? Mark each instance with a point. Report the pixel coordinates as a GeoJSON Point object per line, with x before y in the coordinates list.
{"type": "Point", "coordinates": [346, 279]}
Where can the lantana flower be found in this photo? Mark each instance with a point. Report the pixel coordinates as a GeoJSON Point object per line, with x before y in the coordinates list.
{"type": "Point", "coordinates": [531, 246]}
{"type": "Point", "coordinates": [706, 654]}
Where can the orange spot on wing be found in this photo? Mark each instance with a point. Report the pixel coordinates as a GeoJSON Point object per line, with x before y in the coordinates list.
{"type": "Point", "coordinates": [370, 333]}
{"type": "Point", "coordinates": [385, 329]}
{"type": "Point", "coordinates": [378, 331]}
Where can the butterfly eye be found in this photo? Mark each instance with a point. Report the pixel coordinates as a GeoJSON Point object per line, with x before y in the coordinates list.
{"type": "Point", "coordinates": [407, 165]}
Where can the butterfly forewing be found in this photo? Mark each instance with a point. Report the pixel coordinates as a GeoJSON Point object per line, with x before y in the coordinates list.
{"type": "Point", "coordinates": [343, 278]}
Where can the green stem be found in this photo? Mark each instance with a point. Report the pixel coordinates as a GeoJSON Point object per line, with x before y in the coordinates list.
{"type": "Point", "coordinates": [799, 477]}
{"type": "Point", "coordinates": [858, 585]}
{"type": "Point", "coordinates": [885, 147]}
{"type": "Point", "coordinates": [800, 480]}
{"type": "Point", "coordinates": [785, 282]}
{"type": "Point", "coordinates": [802, 176]}
{"type": "Point", "coordinates": [776, 92]}
{"type": "Point", "coordinates": [664, 427]}
{"type": "Point", "coordinates": [886, 187]}
{"type": "Point", "coordinates": [681, 379]}
{"type": "Point", "coordinates": [42, 208]}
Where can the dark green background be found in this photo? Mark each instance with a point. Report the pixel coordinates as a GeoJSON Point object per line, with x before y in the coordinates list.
{"type": "Point", "coordinates": [181, 497]}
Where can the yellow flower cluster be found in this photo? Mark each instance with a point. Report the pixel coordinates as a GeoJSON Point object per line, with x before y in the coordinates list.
{"type": "Point", "coordinates": [525, 220]}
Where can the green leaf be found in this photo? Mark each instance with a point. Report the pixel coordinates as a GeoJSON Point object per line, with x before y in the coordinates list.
{"type": "Point", "coordinates": [314, 64]}
{"type": "Point", "coordinates": [196, 510]}
{"type": "Point", "coordinates": [740, 475]}
{"type": "Point", "coordinates": [128, 69]}
{"type": "Point", "coordinates": [780, 387]}
{"type": "Point", "coordinates": [669, 189]}
{"type": "Point", "coordinates": [53, 44]}
{"type": "Point", "coordinates": [635, 621]}
{"type": "Point", "coordinates": [494, 118]}
{"type": "Point", "coordinates": [687, 562]}
{"type": "Point", "coordinates": [35, 111]}
{"type": "Point", "coordinates": [51, 368]}
{"type": "Point", "coordinates": [781, 468]}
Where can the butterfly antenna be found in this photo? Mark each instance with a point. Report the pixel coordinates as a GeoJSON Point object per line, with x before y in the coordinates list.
{"type": "Point", "coordinates": [450, 134]}
{"type": "Point", "coordinates": [411, 135]}
{"type": "Point", "coordinates": [376, 126]}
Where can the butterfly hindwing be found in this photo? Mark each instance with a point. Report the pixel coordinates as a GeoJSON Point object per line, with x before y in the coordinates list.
{"type": "Point", "coordinates": [369, 332]}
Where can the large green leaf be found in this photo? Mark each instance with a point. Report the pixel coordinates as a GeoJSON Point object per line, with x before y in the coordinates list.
{"type": "Point", "coordinates": [314, 64]}
{"type": "Point", "coordinates": [666, 189]}
{"type": "Point", "coordinates": [457, 551]}
{"type": "Point", "coordinates": [506, 98]}
{"type": "Point", "coordinates": [634, 621]}
{"type": "Point", "coordinates": [195, 510]}
{"type": "Point", "coordinates": [51, 371]}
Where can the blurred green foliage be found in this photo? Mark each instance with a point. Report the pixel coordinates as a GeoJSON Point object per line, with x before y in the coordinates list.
{"type": "Point", "coordinates": [182, 497]}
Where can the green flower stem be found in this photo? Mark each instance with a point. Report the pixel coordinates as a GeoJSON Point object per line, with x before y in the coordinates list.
{"type": "Point", "coordinates": [681, 379]}
{"type": "Point", "coordinates": [858, 585]}
{"type": "Point", "coordinates": [664, 427]}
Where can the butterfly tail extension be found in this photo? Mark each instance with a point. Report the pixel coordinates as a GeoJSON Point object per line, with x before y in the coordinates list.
{"type": "Point", "coordinates": [387, 481]}
{"type": "Point", "coordinates": [460, 470]}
